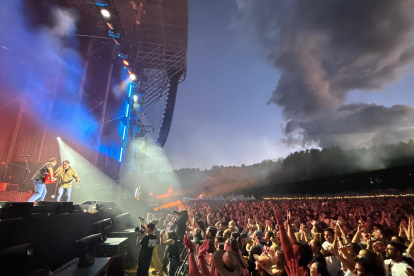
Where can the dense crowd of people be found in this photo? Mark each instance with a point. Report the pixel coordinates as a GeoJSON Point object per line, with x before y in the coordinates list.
{"type": "Point", "coordinates": [365, 236]}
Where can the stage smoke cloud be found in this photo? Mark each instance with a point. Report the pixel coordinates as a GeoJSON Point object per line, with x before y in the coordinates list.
{"type": "Point", "coordinates": [324, 51]}
{"type": "Point", "coordinates": [95, 185]}
{"type": "Point", "coordinates": [34, 54]}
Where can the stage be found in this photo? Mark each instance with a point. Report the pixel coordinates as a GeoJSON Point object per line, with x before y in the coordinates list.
{"type": "Point", "coordinates": [51, 234]}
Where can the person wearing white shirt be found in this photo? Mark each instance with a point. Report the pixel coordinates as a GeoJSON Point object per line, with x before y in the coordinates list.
{"type": "Point", "coordinates": [332, 263]}
{"type": "Point", "coordinates": [395, 265]}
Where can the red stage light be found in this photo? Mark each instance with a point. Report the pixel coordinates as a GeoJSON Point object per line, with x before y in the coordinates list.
{"type": "Point", "coordinates": [125, 62]}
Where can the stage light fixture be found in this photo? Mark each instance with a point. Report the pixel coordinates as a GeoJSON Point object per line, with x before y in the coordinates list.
{"type": "Point", "coordinates": [126, 63]}
{"type": "Point", "coordinates": [105, 13]}
{"type": "Point", "coordinates": [58, 138]}
{"type": "Point", "coordinates": [132, 77]}
{"type": "Point", "coordinates": [135, 97]}
{"type": "Point", "coordinates": [113, 34]}
{"type": "Point", "coordinates": [102, 3]}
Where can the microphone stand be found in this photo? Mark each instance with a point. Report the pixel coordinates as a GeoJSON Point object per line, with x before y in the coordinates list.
{"type": "Point", "coordinates": [24, 178]}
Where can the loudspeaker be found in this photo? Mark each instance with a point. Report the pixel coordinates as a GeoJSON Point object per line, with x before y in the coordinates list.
{"type": "Point", "coordinates": [132, 248]}
{"type": "Point", "coordinates": [114, 247]}
{"type": "Point", "coordinates": [105, 204]}
{"type": "Point", "coordinates": [10, 210]}
{"type": "Point", "coordinates": [59, 207]}
{"type": "Point", "coordinates": [48, 208]}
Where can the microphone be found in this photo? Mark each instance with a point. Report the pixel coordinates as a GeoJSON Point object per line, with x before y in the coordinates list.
{"type": "Point", "coordinates": [22, 155]}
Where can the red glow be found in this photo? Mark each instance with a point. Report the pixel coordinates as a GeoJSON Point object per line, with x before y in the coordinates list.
{"type": "Point", "coordinates": [171, 204]}
{"type": "Point", "coordinates": [169, 193]}
{"type": "Point", "coordinates": [151, 194]}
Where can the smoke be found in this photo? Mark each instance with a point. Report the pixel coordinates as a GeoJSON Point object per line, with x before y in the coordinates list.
{"type": "Point", "coordinates": [36, 53]}
{"type": "Point", "coordinates": [327, 49]}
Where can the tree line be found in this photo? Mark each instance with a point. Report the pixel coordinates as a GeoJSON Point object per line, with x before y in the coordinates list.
{"type": "Point", "coordinates": [311, 171]}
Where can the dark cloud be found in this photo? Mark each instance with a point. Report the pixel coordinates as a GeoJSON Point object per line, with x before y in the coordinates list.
{"type": "Point", "coordinates": [355, 125]}
{"type": "Point", "coordinates": [324, 50]}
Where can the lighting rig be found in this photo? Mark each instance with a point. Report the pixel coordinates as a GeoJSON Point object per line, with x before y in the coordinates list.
{"type": "Point", "coordinates": [115, 31]}
{"type": "Point", "coordinates": [135, 98]}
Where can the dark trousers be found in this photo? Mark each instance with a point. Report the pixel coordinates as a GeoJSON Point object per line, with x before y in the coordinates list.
{"type": "Point", "coordinates": [143, 267]}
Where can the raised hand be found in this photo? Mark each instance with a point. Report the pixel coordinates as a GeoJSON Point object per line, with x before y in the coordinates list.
{"type": "Point", "coordinates": [409, 271]}
{"type": "Point", "coordinates": [203, 249]}
{"type": "Point", "coordinates": [278, 216]}
{"type": "Point", "coordinates": [293, 269]}
{"type": "Point", "coordinates": [188, 243]}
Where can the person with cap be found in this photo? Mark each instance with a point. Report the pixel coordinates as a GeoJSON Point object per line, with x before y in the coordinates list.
{"type": "Point", "coordinates": [227, 263]}
{"type": "Point", "coordinates": [258, 237]}
{"type": "Point", "coordinates": [395, 265]}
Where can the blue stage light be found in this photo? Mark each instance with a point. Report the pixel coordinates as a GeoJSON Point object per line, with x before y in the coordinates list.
{"type": "Point", "coordinates": [102, 3]}
{"type": "Point", "coordinates": [114, 34]}
{"type": "Point", "coordinates": [120, 156]}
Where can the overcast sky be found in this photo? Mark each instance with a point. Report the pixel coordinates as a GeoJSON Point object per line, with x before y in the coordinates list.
{"type": "Point", "coordinates": [222, 115]}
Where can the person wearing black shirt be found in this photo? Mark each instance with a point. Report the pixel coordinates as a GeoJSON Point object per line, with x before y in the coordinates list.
{"type": "Point", "coordinates": [148, 243]}
{"type": "Point", "coordinates": [39, 179]}
{"type": "Point", "coordinates": [172, 251]}
{"type": "Point", "coordinates": [181, 224]}
{"type": "Point", "coordinates": [316, 252]}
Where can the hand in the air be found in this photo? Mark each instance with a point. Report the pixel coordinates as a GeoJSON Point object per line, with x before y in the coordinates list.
{"type": "Point", "coordinates": [203, 249]}
{"type": "Point", "coordinates": [188, 243]}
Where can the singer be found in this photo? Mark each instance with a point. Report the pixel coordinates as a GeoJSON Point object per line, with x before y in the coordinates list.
{"type": "Point", "coordinates": [39, 180]}
{"type": "Point", "coordinates": [65, 174]}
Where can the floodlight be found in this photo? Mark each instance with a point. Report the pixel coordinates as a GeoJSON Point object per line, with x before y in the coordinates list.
{"type": "Point", "coordinates": [132, 77]}
{"type": "Point", "coordinates": [105, 13]}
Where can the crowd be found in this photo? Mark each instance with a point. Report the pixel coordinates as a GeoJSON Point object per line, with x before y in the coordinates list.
{"type": "Point", "coordinates": [286, 237]}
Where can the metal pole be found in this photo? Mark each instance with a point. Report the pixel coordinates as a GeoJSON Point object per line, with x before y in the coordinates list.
{"type": "Point", "coordinates": [17, 127]}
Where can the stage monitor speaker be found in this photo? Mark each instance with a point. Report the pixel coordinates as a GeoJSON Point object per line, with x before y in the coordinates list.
{"type": "Point", "coordinates": [105, 204]}
{"type": "Point", "coordinates": [45, 208]}
{"type": "Point", "coordinates": [122, 221]}
{"type": "Point", "coordinates": [10, 210]}
{"type": "Point", "coordinates": [132, 248]}
{"type": "Point", "coordinates": [115, 247]}
{"type": "Point", "coordinates": [60, 207]}
{"type": "Point", "coordinates": [77, 208]}
{"type": "Point", "coordinates": [89, 206]}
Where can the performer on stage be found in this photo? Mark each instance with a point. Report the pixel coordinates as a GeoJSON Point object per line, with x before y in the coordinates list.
{"type": "Point", "coordinates": [39, 179]}
{"type": "Point", "coordinates": [65, 174]}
